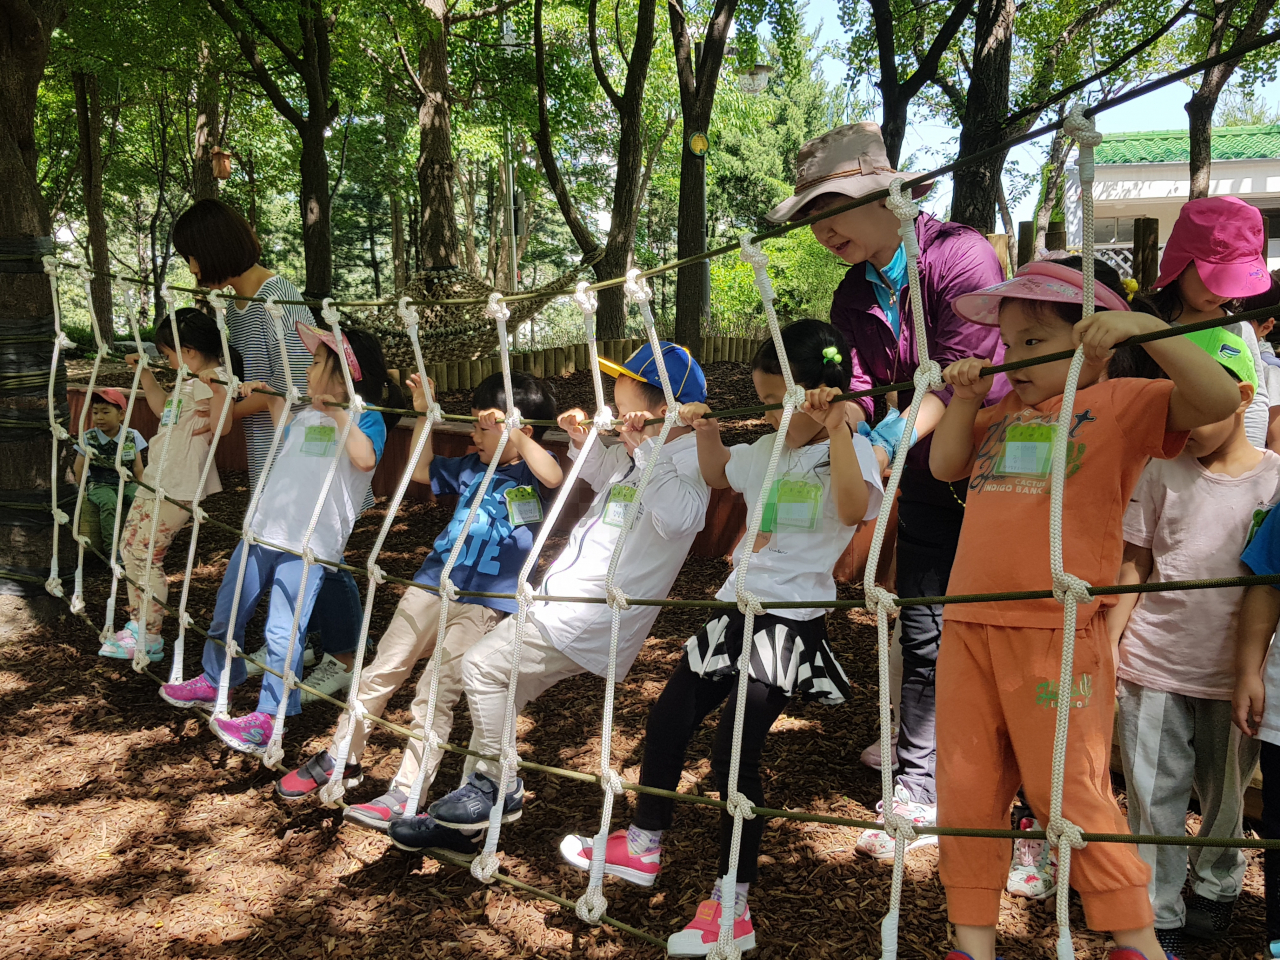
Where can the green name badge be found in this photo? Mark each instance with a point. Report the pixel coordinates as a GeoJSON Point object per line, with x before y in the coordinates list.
{"type": "Point", "coordinates": [1028, 450]}
{"type": "Point", "coordinates": [523, 506]}
{"type": "Point", "coordinates": [130, 451]}
{"type": "Point", "coordinates": [794, 503]}
{"type": "Point", "coordinates": [319, 441]}
{"type": "Point", "coordinates": [620, 497]}
{"type": "Point", "coordinates": [172, 412]}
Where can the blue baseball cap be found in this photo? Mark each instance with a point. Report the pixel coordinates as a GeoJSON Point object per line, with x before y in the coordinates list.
{"type": "Point", "coordinates": [688, 382]}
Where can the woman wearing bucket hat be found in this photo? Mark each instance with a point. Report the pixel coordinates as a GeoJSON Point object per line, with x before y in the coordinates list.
{"type": "Point", "coordinates": [871, 309]}
{"type": "Point", "coordinates": [222, 250]}
{"type": "Point", "coordinates": [1212, 259]}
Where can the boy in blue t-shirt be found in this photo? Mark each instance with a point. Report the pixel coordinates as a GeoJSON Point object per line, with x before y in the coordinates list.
{"type": "Point", "coordinates": [107, 407]}
{"type": "Point", "coordinates": [498, 543]}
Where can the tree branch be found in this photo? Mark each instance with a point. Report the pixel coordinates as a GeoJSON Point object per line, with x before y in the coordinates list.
{"type": "Point", "coordinates": [249, 48]}
{"type": "Point", "coordinates": [542, 138]}
{"type": "Point", "coordinates": [404, 59]}
{"type": "Point", "coordinates": [289, 55]}
{"type": "Point", "coordinates": [951, 90]}
{"type": "Point", "coordinates": [594, 41]}
{"type": "Point", "coordinates": [342, 157]}
{"type": "Point", "coordinates": [497, 8]}
{"type": "Point", "coordinates": [617, 35]}
{"type": "Point", "coordinates": [928, 65]}
{"type": "Point", "coordinates": [882, 18]}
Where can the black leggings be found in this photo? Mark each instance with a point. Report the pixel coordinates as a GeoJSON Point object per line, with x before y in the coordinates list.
{"type": "Point", "coordinates": [1270, 765]}
{"type": "Point", "coordinates": [683, 705]}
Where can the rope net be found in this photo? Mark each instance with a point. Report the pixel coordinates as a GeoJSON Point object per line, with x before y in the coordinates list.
{"type": "Point", "coordinates": [592, 904]}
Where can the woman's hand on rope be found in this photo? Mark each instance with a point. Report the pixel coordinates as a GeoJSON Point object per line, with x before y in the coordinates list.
{"type": "Point", "coordinates": [966, 380]}
{"type": "Point", "coordinates": [818, 404]}
{"type": "Point", "coordinates": [573, 423]}
{"type": "Point", "coordinates": [420, 402]}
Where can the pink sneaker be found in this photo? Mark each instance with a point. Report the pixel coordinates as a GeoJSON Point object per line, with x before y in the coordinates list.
{"type": "Point", "coordinates": [196, 692]}
{"type": "Point", "coordinates": [248, 734]}
{"type": "Point", "coordinates": [697, 939]}
{"type": "Point", "coordinates": [619, 861]}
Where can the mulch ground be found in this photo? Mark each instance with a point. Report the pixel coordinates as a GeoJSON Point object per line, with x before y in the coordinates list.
{"type": "Point", "coordinates": [128, 830]}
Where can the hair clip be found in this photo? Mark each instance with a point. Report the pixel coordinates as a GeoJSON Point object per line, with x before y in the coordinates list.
{"type": "Point", "coordinates": [831, 355]}
{"type": "Point", "coordinates": [1130, 288]}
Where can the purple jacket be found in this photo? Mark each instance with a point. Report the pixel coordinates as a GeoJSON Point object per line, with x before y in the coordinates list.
{"type": "Point", "coordinates": [954, 259]}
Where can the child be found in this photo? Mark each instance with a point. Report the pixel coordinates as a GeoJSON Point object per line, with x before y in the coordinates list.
{"type": "Point", "coordinates": [182, 421]}
{"type": "Point", "coordinates": [564, 640]}
{"type": "Point", "coordinates": [998, 670]}
{"type": "Point", "coordinates": [1265, 330]}
{"type": "Point", "coordinates": [1212, 260]}
{"type": "Point", "coordinates": [1189, 519]}
{"type": "Point", "coordinates": [282, 517]}
{"type": "Point", "coordinates": [1257, 694]}
{"type": "Point", "coordinates": [827, 482]}
{"type": "Point", "coordinates": [500, 539]}
{"type": "Point", "coordinates": [103, 488]}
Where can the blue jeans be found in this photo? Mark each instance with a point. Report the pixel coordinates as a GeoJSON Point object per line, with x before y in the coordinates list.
{"type": "Point", "coordinates": [338, 613]}
{"type": "Point", "coordinates": [277, 574]}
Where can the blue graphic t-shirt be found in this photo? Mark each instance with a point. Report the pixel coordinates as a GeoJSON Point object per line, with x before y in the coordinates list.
{"type": "Point", "coordinates": [500, 539]}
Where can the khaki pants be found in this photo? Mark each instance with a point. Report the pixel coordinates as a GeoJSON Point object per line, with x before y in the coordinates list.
{"type": "Point", "coordinates": [135, 540]}
{"type": "Point", "coordinates": [410, 637]}
{"type": "Point", "coordinates": [486, 671]}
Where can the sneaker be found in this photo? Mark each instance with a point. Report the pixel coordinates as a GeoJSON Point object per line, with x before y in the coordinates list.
{"type": "Point", "coordinates": [958, 955]}
{"type": "Point", "coordinates": [196, 692]}
{"type": "Point", "coordinates": [1170, 941]}
{"type": "Point", "coordinates": [619, 861]}
{"type": "Point", "coordinates": [1128, 953]}
{"type": "Point", "coordinates": [878, 844]}
{"type": "Point", "coordinates": [425, 833]}
{"type": "Point", "coordinates": [253, 661]}
{"type": "Point", "coordinates": [468, 807]}
{"type": "Point", "coordinates": [124, 643]}
{"type": "Point", "coordinates": [1034, 872]}
{"type": "Point", "coordinates": [871, 755]}
{"type": "Point", "coordinates": [377, 814]}
{"type": "Point", "coordinates": [330, 677]}
{"type": "Point", "coordinates": [697, 939]}
{"type": "Point", "coordinates": [1208, 919]}
{"type": "Point", "coordinates": [248, 734]}
{"type": "Point", "coordinates": [313, 775]}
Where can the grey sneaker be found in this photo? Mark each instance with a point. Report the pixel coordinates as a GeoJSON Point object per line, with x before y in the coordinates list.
{"type": "Point", "coordinates": [253, 661]}
{"type": "Point", "coordinates": [331, 677]}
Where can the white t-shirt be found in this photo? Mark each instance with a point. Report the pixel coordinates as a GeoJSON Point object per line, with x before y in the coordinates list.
{"type": "Point", "coordinates": [1196, 524]}
{"type": "Point", "coordinates": [801, 523]}
{"type": "Point", "coordinates": [187, 454]}
{"type": "Point", "coordinates": [1270, 374]}
{"type": "Point", "coordinates": [1258, 417]}
{"type": "Point", "coordinates": [672, 510]}
{"type": "Point", "coordinates": [293, 485]}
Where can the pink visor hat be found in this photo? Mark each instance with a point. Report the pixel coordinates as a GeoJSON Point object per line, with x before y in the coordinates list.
{"type": "Point", "coordinates": [1223, 237]}
{"type": "Point", "coordinates": [312, 337]}
{"type": "Point", "coordinates": [1038, 280]}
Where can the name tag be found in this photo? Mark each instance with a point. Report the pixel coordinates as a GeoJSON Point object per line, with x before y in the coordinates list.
{"type": "Point", "coordinates": [172, 412]}
{"type": "Point", "coordinates": [319, 441]}
{"type": "Point", "coordinates": [523, 506]}
{"type": "Point", "coordinates": [795, 503]}
{"type": "Point", "coordinates": [1028, 450]}
{"type": "Point", "coordinates": [621, 496]}
{"type": "Point", "coordinates": [129, 453]}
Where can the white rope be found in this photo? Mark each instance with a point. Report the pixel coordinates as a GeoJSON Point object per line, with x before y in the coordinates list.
{"type": "Point", "coordinates": [928, 379]}
{"type": "Point", "coordinates": [331, 793]}
{"type": "Point", "coordinates": [60, 342]}
{"type": "Point", "coordinates": [77, 593]}
{"type": "Point", "coordinates": [592, 904]}
{"type": "Point", "coordinates": [1069, 590]}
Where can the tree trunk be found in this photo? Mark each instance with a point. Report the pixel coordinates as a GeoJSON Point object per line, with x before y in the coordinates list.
{"type": "Point", "coordinates": [317, 245]}
{"type": "Point", "coordinates": [89, 117]}
{"type": "Point", "coordinates": [437, 226]}
{"type": "Point", "coordinates": [208, 127]}
{"type": "Point", "coordinates": [1059, 149]}
{"type": "Point", "coordinates": [397, 242]}
{"type": "Point", "coordinates": [973, 200]}
{"type": "Point", "coordinates": [373, 259]}
{"type": "Point", "coordinates": [26, 313]}
{"type": "Point", "coordinates": [1200, 128]}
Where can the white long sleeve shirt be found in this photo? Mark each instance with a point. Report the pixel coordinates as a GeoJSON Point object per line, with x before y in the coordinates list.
{"type": "Point", "coordinates": [672, 510]}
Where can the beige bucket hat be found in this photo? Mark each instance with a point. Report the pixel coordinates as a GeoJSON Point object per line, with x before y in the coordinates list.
{"type": "Point", "coordinates": [849, 160]}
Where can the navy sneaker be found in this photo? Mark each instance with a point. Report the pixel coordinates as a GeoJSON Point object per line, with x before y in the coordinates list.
{"type": "Point", "coordinates": [422, 832]}
{"type": "Point", "coordinates": [1209, 919]}
{"type": "Point", "coordinates": [467, 808]}
{"type": "Point", "coordinates": [379, 813]}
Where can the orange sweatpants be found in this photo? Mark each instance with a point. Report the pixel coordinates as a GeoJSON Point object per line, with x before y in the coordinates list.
{"type": "Point", "coordinates": [997, 703]}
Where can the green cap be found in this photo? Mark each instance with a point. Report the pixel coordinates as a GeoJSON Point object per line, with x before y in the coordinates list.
{"type": "Point", "coordinates": [1229, 350]}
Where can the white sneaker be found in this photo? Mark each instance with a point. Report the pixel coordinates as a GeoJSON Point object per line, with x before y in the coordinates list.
{"type": "Point", "coordinates": [253, 661]}
{"type": "Point", "coordinates": [871, 755]}
{"type": "Point", "coordinates": [330, 677]}
{"type": "Point", "coordinates": [1034, 871]}
{"type": "Point", "coordinates": [878, 844]}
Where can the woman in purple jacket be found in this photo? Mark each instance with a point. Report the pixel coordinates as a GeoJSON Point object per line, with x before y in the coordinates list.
{"type": "Point", "coordinates": [872, 309]}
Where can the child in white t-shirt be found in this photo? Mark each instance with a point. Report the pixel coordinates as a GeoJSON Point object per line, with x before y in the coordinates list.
{"type": "Point", "coordinates": [1188, 519]}
{"type": "Point", "coordinates": [283, 515]}
{"type": "Point", "coordinates": [184, 440]}
{"type": "Point", "coordinates": [826, 483]}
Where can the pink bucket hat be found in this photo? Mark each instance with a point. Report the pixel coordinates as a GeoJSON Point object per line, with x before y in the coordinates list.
{"type": "Point", "coordinates": [312, 337]}
{"type": "Point", "coordinates": [1038, 280]}
{"type": "Point", "coordinates": [1223, 236]}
